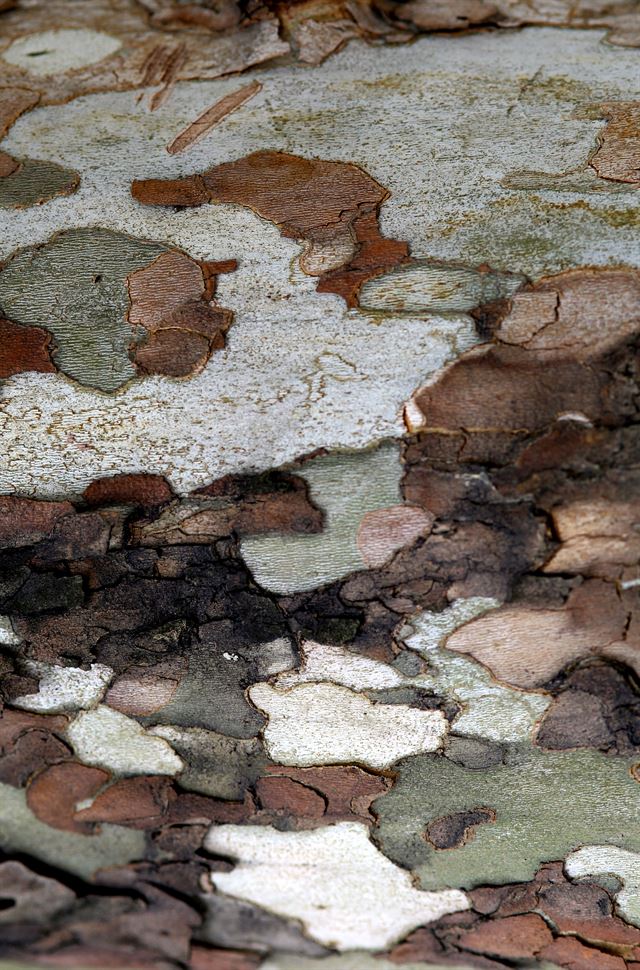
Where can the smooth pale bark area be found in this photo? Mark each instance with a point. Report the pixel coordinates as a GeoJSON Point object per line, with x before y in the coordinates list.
{"type": "Point", "coordinates": [319, 478]}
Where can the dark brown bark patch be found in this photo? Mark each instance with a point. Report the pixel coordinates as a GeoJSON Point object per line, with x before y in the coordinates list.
{"type": "Point", "coordinates": [452, 831]}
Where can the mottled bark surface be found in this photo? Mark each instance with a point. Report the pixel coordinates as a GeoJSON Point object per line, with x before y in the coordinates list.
{"type": "Point", "coordinates": [319, 485]}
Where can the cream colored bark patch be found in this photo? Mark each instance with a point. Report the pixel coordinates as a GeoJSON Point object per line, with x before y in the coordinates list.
{"type": "Point", "coordinates": [57, 51]}
{"type": "Point", "coordinates": [326, 662]}
{"type": "Point", "coordinates": [111, 740]}
{"type": "Point", "coordinates": [323, 724]}
{"type": "Point", "coordinates": [437, 289]}
{"type": "Point", "coordinates": [65, 688]}
{"type": "Point", "coordinates": [594, 860]}
{"type": "Point", "coordinates": [346, 893]}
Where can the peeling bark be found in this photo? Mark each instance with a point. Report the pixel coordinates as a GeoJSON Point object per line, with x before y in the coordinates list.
{"type": "Point", "coordinates": [319, 556]}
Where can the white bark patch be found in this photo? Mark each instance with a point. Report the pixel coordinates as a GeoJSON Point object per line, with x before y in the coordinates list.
{"type": "Point", "coordinates": [107, 739]}
{"type": "Point", "coordinates": [65, 688]}
{"type": "Point", "coordinates": [324, 724]}
{"type": "Point", "coordinates": [8, 635]}
{"type": "Point", "coordinates": [326, 662]}
{"type": "Point", "coordinates": [345, 892]}
{"type": "Point", "coordinates": [58, 51]}
{"type": "Point", "coordinates": [596, 860]}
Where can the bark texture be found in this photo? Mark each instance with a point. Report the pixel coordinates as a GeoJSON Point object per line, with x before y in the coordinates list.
{"type": "Point", "coordinates": [319, 478]}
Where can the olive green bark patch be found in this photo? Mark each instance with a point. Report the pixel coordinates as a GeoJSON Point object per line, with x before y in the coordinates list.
{"type": "Point", "coordinates": [35, 182]}
{"type": "Point", "coordinates": [546, 805]}
{"type": "Point", "coordinates": [75, 286]}
{"type": "Point", "coordinates": [215, 764]}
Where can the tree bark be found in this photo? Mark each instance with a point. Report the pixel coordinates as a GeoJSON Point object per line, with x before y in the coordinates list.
{"type": "Point", "coordinates": [319, 555]}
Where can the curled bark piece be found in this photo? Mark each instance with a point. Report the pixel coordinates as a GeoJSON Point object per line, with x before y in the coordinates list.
{"type": "Point", "coordinates": [213, 116]}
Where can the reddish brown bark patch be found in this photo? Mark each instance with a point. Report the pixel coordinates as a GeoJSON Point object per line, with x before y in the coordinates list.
{"type": "Point", "coordinates": [14, 101]}
{"type": "Point", "coordinates": [511, 938]}
{"type": "Point", "coordinates": [574, 955]}
{"type": "Point", "coordinates": [321, 202]}
{"type": "Point", "coordinates": [8, 165]}
{"type": "Point", "coordinates": [141, 489]}
{"type": "Point", "coordinates": [53, 794]}
{"type": "Point", "coordinates": [28, 743]}
{"type": "Point", "coordinates": [541, 918]}
{"type": "Point", "coordinates": [213, 116]}
{"type": "Point", "coordinates": [346, 791]}
{"type": "Point", "coordinates": [139, 802]}
{"type": "Point", "coordinates": [244, 504]}
{"type": "Point", "coordinates": [24, 349]}
{"type": "Point", "coordinates": [281, 794]}
{"type": "Point", "coordinates": [428, 15]}
{"type": "Point", "coordinates": [171, 299]}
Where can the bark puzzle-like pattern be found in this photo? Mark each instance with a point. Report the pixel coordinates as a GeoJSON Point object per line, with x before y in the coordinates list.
{"type": "Point", "coordinates": [319, 515]}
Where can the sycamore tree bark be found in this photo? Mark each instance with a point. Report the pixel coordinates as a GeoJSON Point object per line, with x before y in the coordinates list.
{"type": "Point", "coordinates": [319, 484]}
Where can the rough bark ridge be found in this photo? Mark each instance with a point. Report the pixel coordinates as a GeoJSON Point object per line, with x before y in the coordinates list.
{"type": "Point", "coordinates": [319, 515]}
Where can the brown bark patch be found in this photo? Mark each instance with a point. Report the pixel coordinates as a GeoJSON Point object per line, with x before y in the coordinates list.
{"type": "Point", "coordinates": [8, 165]}
{"type": "Point", "coordinates": [596, 706]}
{"type": "Point", "coordinates": [574, 955]}
{"type": "Point", "coordinates": [617, 156]}
{"type": "Point", "coordinates": [24, 349]}
{"type": "Point", "coordinates": [452, 831]}
{"type": "Point", "coordinates": [213, 116]}
{"type": "Point", "coordinates": [347, 791]}
{"type": "Point", "coordinates": [510, 938]}
{"type": "Point", "coordinates": [171, 300]}
{"type": "Point", "coordinates": [203, 958]}
{"type": "Point", "coordinates": [428, 15]}
{"type": "Point", "coordinates": [308, 199]}
{"type": "Point", "coordinates": [141, 802]}
{"type": "Point", "coordinates": [141, 489]}
{"type": "Point", "coordinates": [54, 793]}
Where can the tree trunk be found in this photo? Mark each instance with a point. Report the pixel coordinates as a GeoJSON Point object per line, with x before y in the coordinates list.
{"type": "Point", "coordinates": [319, 544]}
